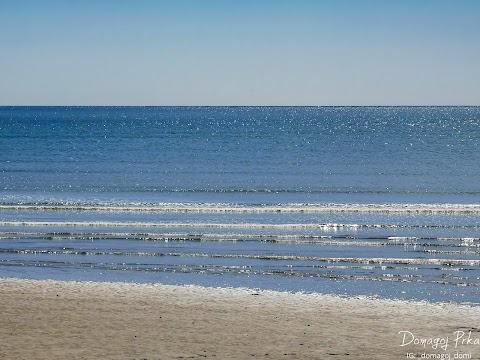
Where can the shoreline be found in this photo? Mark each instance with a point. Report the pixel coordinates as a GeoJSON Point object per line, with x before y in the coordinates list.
{"type": "Point", "coordinates": [48, 319]}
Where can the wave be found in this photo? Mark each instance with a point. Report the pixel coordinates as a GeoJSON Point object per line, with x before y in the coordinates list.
{"type": "Point", "coordinates": [326, 271]}
{"type": "Point", "coordinates": [326, 226]}
{"type": "Point", "coordinates": [456, 209]}
{"type": "Point", "coordinates": [383, 263]}
{"type": "Point", "coordinates": [379, 261]}
{"type": "Point", "coordinates": [330, 240]}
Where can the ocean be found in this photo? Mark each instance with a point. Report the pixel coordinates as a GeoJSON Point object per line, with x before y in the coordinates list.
{"type": "Point", "coordinates": [353, 201]}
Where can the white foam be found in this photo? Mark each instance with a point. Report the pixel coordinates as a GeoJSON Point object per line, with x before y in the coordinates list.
{"type": "Point", "coordinates": [254, 208]}
{"type": "Point", "coordinates": [325, 226]}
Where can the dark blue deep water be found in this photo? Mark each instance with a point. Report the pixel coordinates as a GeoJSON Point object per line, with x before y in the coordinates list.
{"type": "Point", "coordinates": [378, 201]}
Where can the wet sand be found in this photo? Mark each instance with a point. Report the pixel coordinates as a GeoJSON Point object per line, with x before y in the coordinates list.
{"type": "Point", "coordinates": [85, 320]}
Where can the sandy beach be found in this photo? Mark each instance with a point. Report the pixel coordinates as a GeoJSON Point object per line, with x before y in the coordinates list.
{"type": "Point", "coordinates": [85, 320]}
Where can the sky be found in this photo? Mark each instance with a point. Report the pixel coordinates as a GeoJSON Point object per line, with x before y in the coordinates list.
{"type": "Point", "coordinates": [240, 52]}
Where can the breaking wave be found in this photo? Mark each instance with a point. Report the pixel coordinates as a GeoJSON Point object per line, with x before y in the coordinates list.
{"type": "Point", "coordinates": [459, 209]}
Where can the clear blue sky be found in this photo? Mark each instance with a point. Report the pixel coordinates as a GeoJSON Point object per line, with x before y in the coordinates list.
{"type": "Point", "coordinates": [240, 52]}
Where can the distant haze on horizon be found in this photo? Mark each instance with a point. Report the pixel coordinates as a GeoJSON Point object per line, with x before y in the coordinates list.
{"type": "Point", "coordinates": [249, 52]}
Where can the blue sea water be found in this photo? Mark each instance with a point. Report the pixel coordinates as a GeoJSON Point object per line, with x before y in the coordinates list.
{"type": "Point", "coordinates": [381, 201]}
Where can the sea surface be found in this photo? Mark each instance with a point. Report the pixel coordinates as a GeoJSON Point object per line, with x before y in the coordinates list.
{"type": "Point", "coordinates": [354, 201]}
